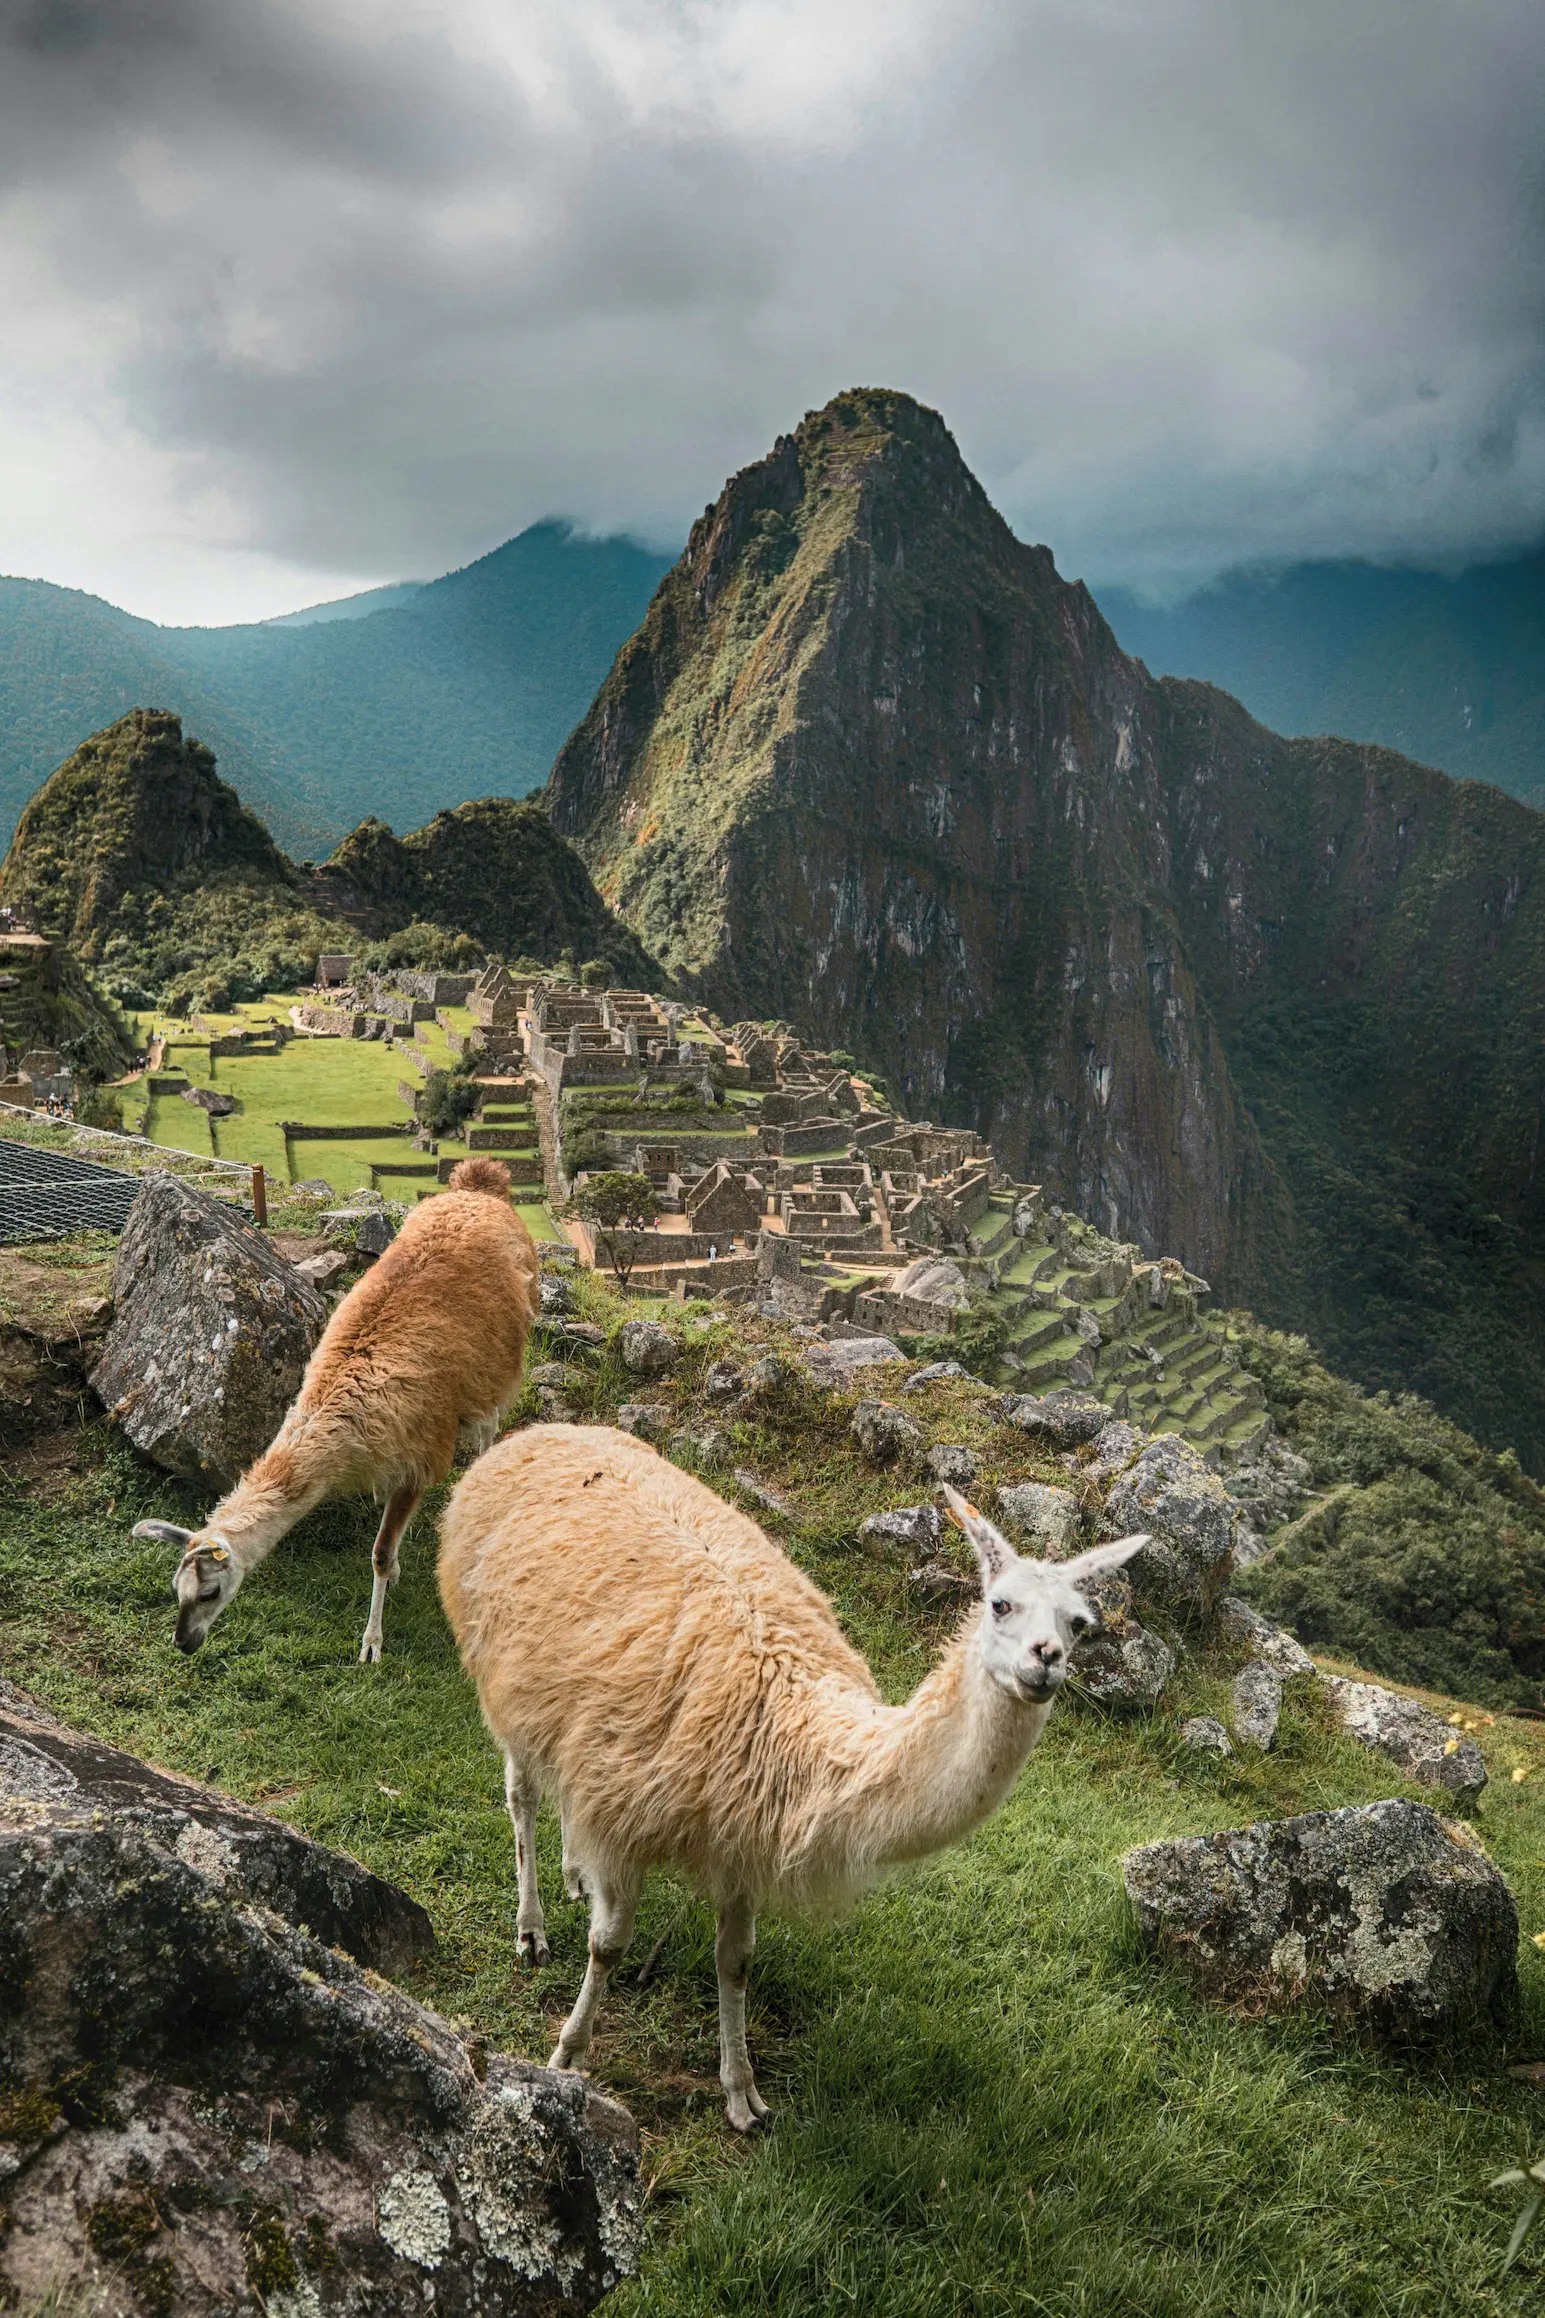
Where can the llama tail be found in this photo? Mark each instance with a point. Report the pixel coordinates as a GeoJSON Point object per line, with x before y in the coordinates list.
{"type": "Point", "coordinates": [490, 1175]}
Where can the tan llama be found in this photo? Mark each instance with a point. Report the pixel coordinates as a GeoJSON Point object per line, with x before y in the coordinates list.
{"type": "Point", "coordinates": [647, 1658]}
{"type": "Point", "coordinates": [430, 1340]}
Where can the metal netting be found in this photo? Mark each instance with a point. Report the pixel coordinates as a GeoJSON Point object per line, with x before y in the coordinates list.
{"type": "Point", "coordinates": [47, 1194]}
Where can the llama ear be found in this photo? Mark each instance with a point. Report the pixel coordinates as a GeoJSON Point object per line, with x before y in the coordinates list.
{"type": "Point", "coordinates": [1101, 1558]}
{"type": "Point", "coordinates": [992, 1548]}
{"type": "Point", "coordinates": [164, 1532]}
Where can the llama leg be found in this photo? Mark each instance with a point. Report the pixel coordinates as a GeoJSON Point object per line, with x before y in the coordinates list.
{"type": "Point", "coordinates": [612, 1908]}
{"type": "Point", "coordinates": [395, 1519]}
{"type": "Point", "coordinates": [522, 1795]}
{"type": "Point", "coordinates": [732, 1952]}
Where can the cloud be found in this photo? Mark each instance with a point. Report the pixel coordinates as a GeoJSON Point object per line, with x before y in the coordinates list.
{"type": "Point", "coordinates": [305, 293]}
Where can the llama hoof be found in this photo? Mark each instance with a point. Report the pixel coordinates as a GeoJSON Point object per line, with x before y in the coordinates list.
{"type": "Point", "coordinates": [558, 2059]}
{"type": "Point", "coordinates": [370, 1651]}
{"type": "Point", "coordinates": [531, 1948]}
{"type": "Point", "coordinates": [746, 2110]}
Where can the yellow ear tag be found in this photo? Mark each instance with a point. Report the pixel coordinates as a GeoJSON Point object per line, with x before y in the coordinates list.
{"type": "Point", "coordinates": [217, 1554]}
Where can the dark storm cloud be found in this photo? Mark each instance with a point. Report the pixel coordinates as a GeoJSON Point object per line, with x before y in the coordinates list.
{"type": "Point", "coordinates": [366, 284]}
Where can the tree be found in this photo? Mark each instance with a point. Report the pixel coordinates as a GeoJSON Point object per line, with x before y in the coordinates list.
{"type": "Point", "coordinates": [618, 1203]}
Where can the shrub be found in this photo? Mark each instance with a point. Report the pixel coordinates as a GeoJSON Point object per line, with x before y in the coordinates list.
{"type": "Point", "coordinates": [1433, 1570]}
{"type": "Point", "coordinates": [448, 1098]}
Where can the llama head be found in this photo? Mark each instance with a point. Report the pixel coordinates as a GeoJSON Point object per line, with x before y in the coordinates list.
{"type": "Point", "coordinates": [1034, 1611]}
{"type": "Point", "coordinates": [208, 1578]}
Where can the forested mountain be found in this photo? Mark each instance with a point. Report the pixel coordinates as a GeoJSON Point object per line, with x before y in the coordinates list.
{"type": "Point", "coordinates": [871, 764]}
{"type": "Point", "coordinates": [468, 685]}
{"type": "Point", "coordinates": [140, 858]}
{"type": "Point", "coordinates": [1450, 671]}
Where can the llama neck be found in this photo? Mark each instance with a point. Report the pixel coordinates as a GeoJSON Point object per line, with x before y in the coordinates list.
{"type": "Point", "coordinates": [271, 1496]}
{"type": "Point", "coordinates": [918, 1777]}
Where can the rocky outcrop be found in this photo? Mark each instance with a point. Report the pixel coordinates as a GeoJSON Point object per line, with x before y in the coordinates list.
{"type": "Point", "coordinates": [1379, 1914]}
{"type": "Point", "coordinates": [211, 1333]}
{"type": "Point", "coordinates": [208, 2109]}
{"type": "Point", "coordinates": [1040, 1519]}
{"type": "Point", "coordinates": [1410, 1734]}
{"type": "Point", "coordinates": [51, 1775]}
{"type": "Point", "coordinates": [1191, 1519]}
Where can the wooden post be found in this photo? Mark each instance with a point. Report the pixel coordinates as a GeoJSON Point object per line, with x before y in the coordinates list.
{"type": "Point", "coordinates": [259, 1199]}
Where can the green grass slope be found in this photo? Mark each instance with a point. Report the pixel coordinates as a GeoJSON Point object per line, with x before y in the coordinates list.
{"type": "Point", "coordinates": [985, 2097]}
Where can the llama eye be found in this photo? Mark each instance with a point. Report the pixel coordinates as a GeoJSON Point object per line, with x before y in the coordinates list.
{"type": "Point", "coordinates": [1077, 1625]}
{"type": "Point", "coordinates": [1000, 1607]}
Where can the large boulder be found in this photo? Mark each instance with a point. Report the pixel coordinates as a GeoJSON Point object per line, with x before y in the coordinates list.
{"type": "Point", "coordinates": [1180, 1575]}
{"type": "Point", "coordinates": [1123, 1667]}
{"type": "Point", "coordinates": [1041, 1519]}
{"type": "Point", "coordinates": [1239, 1624]}
{"type": "Point", "coordinates": [1255, 1704]}
{"type": "Point", "coordinates": [883, 1432]}
{"type": "Point", "coordinates": [210, 2110]}
{"type": "Point", "coordinates": [647, 1349]}
{"type": "Point", "coordinates": [837, 1364]}
{"type": "Point", "coordinates": [1410, 1734]}
{"type": "Point", "coordinates": [1065, 1418]}
{"type": "Point", "coordinates": [1378, 1913]}
{"type": "Point", "coordinates": [211, 1334]}
{"type": "Point", "coordinates": [51, 1774]}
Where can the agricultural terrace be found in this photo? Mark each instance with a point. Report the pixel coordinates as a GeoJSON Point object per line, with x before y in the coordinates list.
{"type": "Point", "coordinates": [321, 1082]}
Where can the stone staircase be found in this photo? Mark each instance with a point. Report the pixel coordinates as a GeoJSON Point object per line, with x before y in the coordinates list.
{"type": "Point", "coordinates": [1084, 1311]}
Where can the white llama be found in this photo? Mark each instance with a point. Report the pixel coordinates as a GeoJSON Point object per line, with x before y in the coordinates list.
{"type": "Point", "coordinates": [645, 1656]}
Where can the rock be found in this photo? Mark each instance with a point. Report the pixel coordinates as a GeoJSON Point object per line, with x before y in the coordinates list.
{"type": "Point", "coordinates": [650, 1420]}
{"type": "Point", "coordinates": [647, 1349]}
{"type": "Point", "coordinates": [1255, 1704]}
{"type": "Point", "coordinates": [836, 1364]}
{"type": "Point", "coordinates": [218, 1106]}
{"type": "Point", "coordinates": [1238, 1623]}
{"type": "Point", "coordinates": [374, 1234]}
{"type": "Point", "coordinates": [882, 1432]}
{"type": "Point", "coordinates": [311, 1187]}
{"type": "Point", "coordinates": [937, 1372]}
{"type": "Point", "coordinates": [1124, 1668]}
{"type": "Point", "coordinates": [1272, 1485]}
{"type": "Point", "coordinates": [1205, 1735]}
{"type": "Point", "coordinates": [214, 2111]}
{"type": "Point", "coordinates": [553, 1409]}
{"type": "Point", "coordinates": [951, 1462]}
{"type": "Point", "coordinates": [935, 1581]}
{"type": "Point", "coordinates": [50, 1773]}
{"type": "Point", "coordinates": [910, 1525]}
{"type": "Point", "coordinates": [1068, 1418]}
{"type": "Point", "coordinates": [583, 1333]}
{"type": "Point", "coordinates": [557, 1297]}
{"type": "Point", "coordinates": [1410, 1734]}
{"type": "Point", "coordinates": [211, 1333]}
{"type": "Point", "coordinates": [1116, 1446]}
{"type": "Point", "coordinates": [764, 1494]}
{"type": "Point", "coordinates": [1042, 1519]}
{"type": "Point", "coordinates": [1377, 1913]}
{"type": "Point", "coordinates": [1191, 1519]}
{"type": "Point", "coordinates": [709, 1448]}
{"type": "Point", "coordinates": [722, 1380]}
{"type": "Point", "coordinates": [548, 1372]}
{"type": "Point", "coordinates": [322, 1270]}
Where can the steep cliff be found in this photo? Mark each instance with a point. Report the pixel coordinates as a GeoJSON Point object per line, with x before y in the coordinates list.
{"type": "Point", "coordinates": [872, 765]}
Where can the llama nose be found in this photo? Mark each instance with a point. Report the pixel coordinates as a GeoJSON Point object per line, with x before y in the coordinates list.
{"type": "Point", "coordinates": [1050, 1654]}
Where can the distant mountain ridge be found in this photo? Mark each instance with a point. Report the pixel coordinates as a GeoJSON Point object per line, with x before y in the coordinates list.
{"type": "Point", "coordinates": [468, 686]}
{"type": "Point", "coordinates": [1449, 671]}
{"type": "Point", "coordinates": [871, 764]}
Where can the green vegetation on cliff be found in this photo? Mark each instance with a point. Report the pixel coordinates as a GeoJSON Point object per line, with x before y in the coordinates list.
{"type": "Point", "coordinates": [1423, 1557]}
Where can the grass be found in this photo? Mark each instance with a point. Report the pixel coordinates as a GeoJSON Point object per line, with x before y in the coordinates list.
{"type": "Point", "coordinates": [986, 2098]}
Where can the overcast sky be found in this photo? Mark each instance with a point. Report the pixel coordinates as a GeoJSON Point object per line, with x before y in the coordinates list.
{"type": "Point", "coordinates": [300, 295]}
